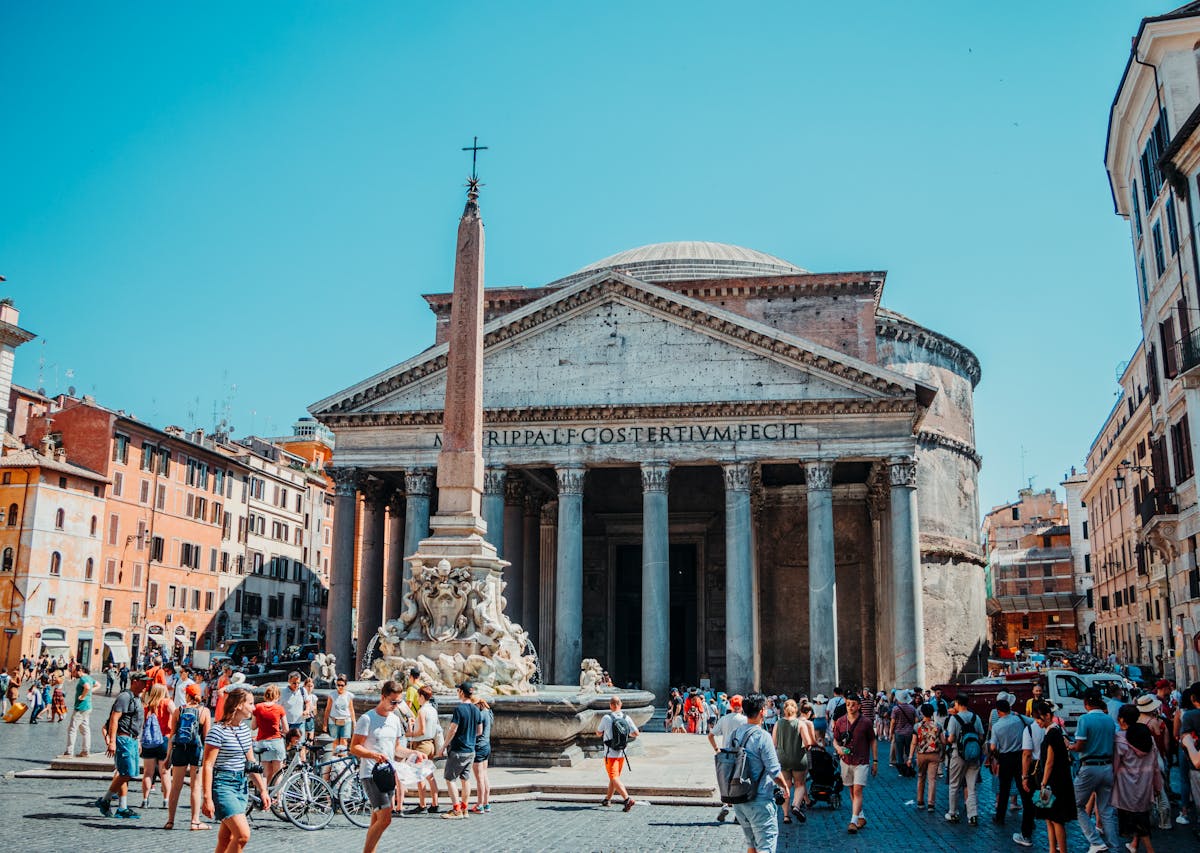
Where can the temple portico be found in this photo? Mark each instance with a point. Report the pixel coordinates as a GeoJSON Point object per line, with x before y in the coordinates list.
{"type": "Point", "coordinates": [667, 571]}
{"type": "Point", "coordinates": [698, 461]}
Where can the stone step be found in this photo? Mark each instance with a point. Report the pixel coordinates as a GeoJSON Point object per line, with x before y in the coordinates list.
{"type": "Point", "coordinates": [95, 762]}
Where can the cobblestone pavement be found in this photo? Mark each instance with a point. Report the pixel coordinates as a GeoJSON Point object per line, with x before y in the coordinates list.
{"type": "Point", "coordinates": [44, 815]}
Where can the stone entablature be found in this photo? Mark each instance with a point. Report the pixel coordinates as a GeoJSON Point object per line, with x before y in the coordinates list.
{"type": "Point", "coordinates": [896, 327]}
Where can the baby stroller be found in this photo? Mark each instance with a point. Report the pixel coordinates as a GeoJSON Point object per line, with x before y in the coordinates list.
{"type": "Point", "coordinates": [824, 779]}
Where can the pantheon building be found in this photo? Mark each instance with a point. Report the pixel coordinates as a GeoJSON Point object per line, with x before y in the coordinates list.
{"type": "Point", "coordinates": [703, 462]}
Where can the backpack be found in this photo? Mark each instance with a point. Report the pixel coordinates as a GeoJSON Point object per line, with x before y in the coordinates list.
{"type": "Point", "coordinates": [152, 735]}
{"type": "Point", "coordinates": [733, 770]}
{"type": "Point", "coordinates": [970, 744]}
{"type": "Point", "coordinates": [621, 730]}
{"type": "Point", "coordinates": [189, 727]}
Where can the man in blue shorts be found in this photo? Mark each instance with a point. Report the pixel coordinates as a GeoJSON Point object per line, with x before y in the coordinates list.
{"type": "Point", "coordinates": [121, 734]}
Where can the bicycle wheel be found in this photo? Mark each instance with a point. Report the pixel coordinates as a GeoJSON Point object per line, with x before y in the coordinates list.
{"type": "Point", "coordinates": [352, 800]}
{"type": "Point", "coordinates": [274, 787]}
{"type": "Point", "coordinates": [307, 801]}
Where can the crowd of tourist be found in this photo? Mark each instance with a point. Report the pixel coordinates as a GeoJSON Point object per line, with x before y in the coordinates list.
{"type": "Point", "coordinates": [1112, 776]}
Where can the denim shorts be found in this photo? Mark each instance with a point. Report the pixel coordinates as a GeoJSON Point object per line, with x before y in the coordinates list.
{"type": "Point", "coordinates": [127, 759]}
{"type": "Point", "coordinates": [759, 823]}
{"type": "Point", "coordinates": [229, 793]}
{"type": "Point", "coordinates": [339, 731]}
{"type": "Point", "coordinates": [271, 749]}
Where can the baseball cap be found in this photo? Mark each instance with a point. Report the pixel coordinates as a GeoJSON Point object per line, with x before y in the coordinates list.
{"type": "Point", "coordinates": [192, 691]}
{"type": "Point", "coordinates": [1162, 684]}
{"type": "Point", "coordinates": [735, 701]}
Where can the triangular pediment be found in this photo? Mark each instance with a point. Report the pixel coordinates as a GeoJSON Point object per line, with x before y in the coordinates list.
{"type": "Point", "coordinates": [615, 341]}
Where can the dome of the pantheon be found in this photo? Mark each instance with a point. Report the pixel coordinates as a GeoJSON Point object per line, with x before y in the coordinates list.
{"type": "Point", "coordinates": [687, 259]}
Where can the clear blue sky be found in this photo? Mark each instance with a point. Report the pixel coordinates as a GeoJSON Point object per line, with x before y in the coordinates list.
{"type": "Point", "coordinates": [200, 196]}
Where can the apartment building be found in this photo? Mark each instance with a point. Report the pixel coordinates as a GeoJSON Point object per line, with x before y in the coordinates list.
{"type": "Point", "coordinates": [1031, 566]}
{"type": "Point", "coordinates": [50, 554]}
{"type": "Point", "coordinates": [1074, 485]}
{"type": "Point", "coordinates": [1152, 157]}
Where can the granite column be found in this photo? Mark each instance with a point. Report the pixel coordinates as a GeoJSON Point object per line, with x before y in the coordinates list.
{"type": "Point", "coordinates": [418, 483]}
{"type": "Point", "coordinates": [739, 580]}
{"type": "Point", "coordinates": [822, 579]}
{"type": "Point", "coordinates": [907, 592]}
{"type": "Point", "coordinates": [513, 548]}
{"type": "Point", "coordinates": [656, 581]}
{"type": "Point", "coordinates": [370, 572]}
{"type": "Point", "coordinates": [338, 625]}
{"type": "Point", "coordinates": [493, 505]}
{"type": "Point", "coordinates": [394, 584]}
{"type": "Point", "coordinates": [568, 597]}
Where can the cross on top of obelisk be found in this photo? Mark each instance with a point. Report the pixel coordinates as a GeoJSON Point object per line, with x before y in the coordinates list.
{"type": "Point", "coordinates": [473, 181]}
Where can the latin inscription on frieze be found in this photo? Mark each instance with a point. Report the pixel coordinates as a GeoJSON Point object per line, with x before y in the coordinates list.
{"type": "Point", "coordinates": [688, 434]}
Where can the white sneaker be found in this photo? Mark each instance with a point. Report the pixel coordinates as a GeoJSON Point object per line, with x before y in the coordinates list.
{"type": "Point", "coordinates": [1018, 838]}
{"type": "Point", "coordinates": [1098, 848]}
{"type": "Point", "coordinates": [1181, 820]}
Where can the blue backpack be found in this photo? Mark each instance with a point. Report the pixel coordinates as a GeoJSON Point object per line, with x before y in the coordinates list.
{"type": "Point", "coordinates": [188, 733]}
{"type": "Point", "coordinates": [152, 735]}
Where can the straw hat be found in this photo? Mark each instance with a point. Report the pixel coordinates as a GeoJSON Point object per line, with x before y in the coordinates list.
{"type": "Point", "coordinates": [1148, 703]}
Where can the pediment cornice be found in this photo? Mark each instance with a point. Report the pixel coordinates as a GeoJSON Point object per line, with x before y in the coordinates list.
{"type": "Point", "coordinates": [674, 411]}
{"type": "Point", "coordinates": [611, 285]}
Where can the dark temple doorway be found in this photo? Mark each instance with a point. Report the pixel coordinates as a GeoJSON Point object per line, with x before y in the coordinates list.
{"type": "Point", "coordinates": [685, 670]}
{"type": "Point", "coordinates": [626, 666]}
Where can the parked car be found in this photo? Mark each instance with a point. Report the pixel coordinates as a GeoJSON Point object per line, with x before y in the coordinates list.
{"type": "Point", "coordinates": [1063, 687]}
{"type": "Point", "coordinates": [299, 652]}
{"type": "Point", "coordinates": [234, 650]}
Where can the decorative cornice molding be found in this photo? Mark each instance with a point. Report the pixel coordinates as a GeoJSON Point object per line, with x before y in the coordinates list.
{"type": "Point", "coordinates": [570, 479]}
{"type": "Point", "coordinates": [493, 481]}
{"type": "Point", "coordinates": [671, 411]}
{"type": "Point", "coordinates": [938, 548]}
{"type": "Point", "coordinates": [655, 476]}
{"type": "Point", "coordinates": [737, 476]}
{"type": "Point", "coordinates": [659, 300]}
{"type": "Point", "coordinates": [419, 482]}
{"type": "Point", "coordinates": [902, 473]}
{"type": "Point", "coordinates": [927, 439]}
{"type": "Point", "coordinates": [818, 475]}
{"type": "Point", "coordinates": [345, 480]}
{"type": "Point", "coordinates": [894, 327]}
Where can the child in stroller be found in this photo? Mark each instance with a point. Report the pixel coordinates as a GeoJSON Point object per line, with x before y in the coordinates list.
{"type": "Point", "coordinates": [824, 780]}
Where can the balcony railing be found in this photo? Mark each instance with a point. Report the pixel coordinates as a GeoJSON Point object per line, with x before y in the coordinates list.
{"type": "Point", "coordinates": [1154, 504]}
{"type": "Point", "coordinates": [1189, 351]}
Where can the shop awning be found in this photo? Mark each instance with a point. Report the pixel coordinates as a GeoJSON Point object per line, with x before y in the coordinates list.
{"type": "Point", "coordinates": [118, 650]}
{"type": "Point", "coordinates": [56, 648]}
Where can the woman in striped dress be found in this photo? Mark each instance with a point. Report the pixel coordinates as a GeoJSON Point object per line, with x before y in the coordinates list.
{"type": "Point", "coordinates": [226, 754]}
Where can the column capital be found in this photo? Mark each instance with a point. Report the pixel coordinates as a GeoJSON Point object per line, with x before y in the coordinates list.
{"type": "Point", "coordinates": [533, 502]}
{"type": "Point", "coordinates": [655, 476]}
{"type": "Point", "coordinates": [514, 491]}
{"type": "Point", "coordinates": [737, 476]}
{"type": "Point", "coordinates": [570, 479]}
{"type": "Point", "coordinates": [902, 472]}
{"type": "Point", "coordinates": [374, 491]}
{"type": "Point", "coordinates": [549, 513]}
{"type": "Point", "coordinates": [395, 503]}
{"type": "Point", "coordinates": [345, 480]}
{"type": "Point", "coordinates": [818, 474]}
{"type": "Point", "coordinates": [418, 481]}
{"type": "Point", "coordinates": [493, 480]}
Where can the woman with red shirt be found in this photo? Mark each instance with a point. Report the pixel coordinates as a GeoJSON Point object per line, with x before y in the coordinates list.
{"type": "Point", "coordinates": [154, 758]}
{"type": "Point", "coordinates": [270, 722]}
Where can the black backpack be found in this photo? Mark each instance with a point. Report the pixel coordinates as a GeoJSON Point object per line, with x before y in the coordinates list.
{"type": "Point", "coordinates": [621, 729]}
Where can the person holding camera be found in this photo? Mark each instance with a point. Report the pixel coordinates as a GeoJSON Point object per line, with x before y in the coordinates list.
{"type": "Point", "coordinates": [757, 817]}
{"type": "Point", "coordinates": [855, 744]}
{"type": "Point", "coordinates": [227, 763]}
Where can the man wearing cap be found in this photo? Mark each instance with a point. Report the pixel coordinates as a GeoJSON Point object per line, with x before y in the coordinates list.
{"type": "Point", "coordinates": [1095, 737]}
{"type": "Point", "coordinates": [725, 727]}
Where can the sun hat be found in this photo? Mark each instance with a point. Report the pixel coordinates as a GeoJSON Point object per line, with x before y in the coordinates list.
{"type": "Point", "coordinates": [1148, 703]}
{"type": "Point", "coordinates": [819, 698]}
{"type": "Point", "coordinates": [236, 680]}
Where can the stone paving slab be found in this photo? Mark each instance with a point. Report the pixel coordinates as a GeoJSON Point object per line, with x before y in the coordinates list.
{"type": "Point", "coordinates": [53, 815]}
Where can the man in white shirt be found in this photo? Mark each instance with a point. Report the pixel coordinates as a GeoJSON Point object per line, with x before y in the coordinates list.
{"type": "Point", "coordinates": [726, 726]}
{"type": "Point", "coordinates": [294, 699]}
{"type": "Point", "coordinates": [614, 754]}
{"type": "Point", "coordinates": [377, 735]}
